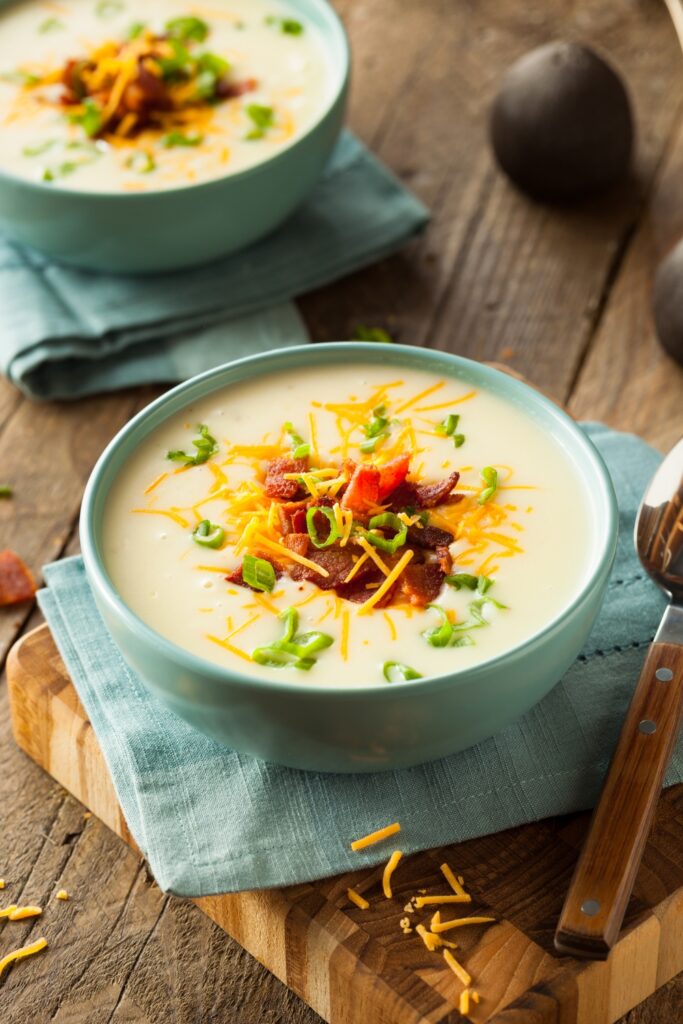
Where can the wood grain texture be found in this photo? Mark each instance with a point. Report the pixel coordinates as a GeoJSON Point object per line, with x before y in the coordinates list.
{"type": "Point", "coordinates": [594, 908]}
{"type": "Point", "coordinates": [352, 966]}
{"type": "Point", "coordinates": [560, 294]}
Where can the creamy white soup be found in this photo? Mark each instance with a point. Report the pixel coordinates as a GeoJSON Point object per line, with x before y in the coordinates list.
{"type": "Point", "coordinates": [347, 526]}
{"type": "Point", "coordinates": [110, 95]}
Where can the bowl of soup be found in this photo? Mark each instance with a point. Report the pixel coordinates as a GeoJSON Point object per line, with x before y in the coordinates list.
{"type": "Point", "coordinates": [350, 557]}
{"type": "Point", "coordinates": [143, 139]}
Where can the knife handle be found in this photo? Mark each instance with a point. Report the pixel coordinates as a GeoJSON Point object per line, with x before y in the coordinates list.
{"type": "Point", "coordinates": [599, 891]}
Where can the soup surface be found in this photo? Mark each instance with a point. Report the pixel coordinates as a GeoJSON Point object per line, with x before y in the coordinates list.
{"type": "Point", "coordinates": [347, 526]}
{"type": "Point", "coordinates": [108, 95]}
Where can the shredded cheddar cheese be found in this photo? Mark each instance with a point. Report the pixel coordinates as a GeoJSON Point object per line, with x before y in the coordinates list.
{"type": "Point", "coordinates": [371, 552]}
{"type": "Point", "coordinates": [2, 883]}
{"type": "Point", "coordinates": [464, 1004]}
{"type": "Point", "coordinates": [344, 641]}
{"type": "Point", "coordinates": [446, 926]}
{"type": "Point", "coordinates": [376, 837]}
{"type": "Point", "coordinates": [427, 901]}
{"type": "Point", "coordinates": [24, 951]}
{"type": "Point", "coordinates": [389, 869]}
{"type": "Point", "coordinates": [388, 583]}
{"type": "Point", "coordinates": [287, 552]}
{"type": "Point", "coordinates": [356, 898]}
{"type": "Point", "coordinates": [457, 968]}
{"type": "Point", "coordinates": [452, 880]}
{"type": "Point", "coordinates": [7, 911]}
{"type": "Point", "coordinates": [363, 558]}
{"type": "Point", "coordinates": [19, 913]}
{"type": "Point", "coordinates": [61, 894]}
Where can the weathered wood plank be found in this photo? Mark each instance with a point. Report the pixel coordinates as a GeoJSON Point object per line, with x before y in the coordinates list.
{"type": "Point", "coordinates": [627, 380]}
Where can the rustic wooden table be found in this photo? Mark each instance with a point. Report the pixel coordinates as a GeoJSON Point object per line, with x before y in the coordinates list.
{"type": "Point", "coordinates": [560, 295]}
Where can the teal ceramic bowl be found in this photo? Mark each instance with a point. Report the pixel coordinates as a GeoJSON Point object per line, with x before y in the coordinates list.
{"type": "Point", "coordinates": [147, 232]}
{"type": "Point", "coordinates": [359, 729]}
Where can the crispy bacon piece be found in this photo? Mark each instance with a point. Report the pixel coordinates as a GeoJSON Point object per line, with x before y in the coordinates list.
{"type": "Point", "coordinates": [299, 543]}
{"type": "Point", "coordinates": [363, 489]}
{"type": "Point", "coordinates": [227, 90]}
{"type": "Point", "coordinates": [146, 93]}
{"type": "Point", "coordinates": [444, 558]}
{"type": "Point", "coordinates": [275, 485]}
{"type": "Point", "coordinates": [338, 562]}
{"type": "Point", "coordinates": [412, 495]}
{"type": "Point", "coordinates": [358, 591]}
{"type": "Point", "coordinates": [236, 578]}
{"type": "Point", "coordinates": [421, 583]}
{"type": "Point", "coordinates": [16, 582]}
{"type": "Point", "coordinates": [292, 515]}
{"type": "Point", "coordinates": [429, 537]}
{"type": "Point", "coordinates": [392, 475]}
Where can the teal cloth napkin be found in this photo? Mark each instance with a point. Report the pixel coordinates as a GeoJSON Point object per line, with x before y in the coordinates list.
{"type": "Point", "coordinates": [66, 333]}
{"type": "Point", "coordinates": [209, 820]}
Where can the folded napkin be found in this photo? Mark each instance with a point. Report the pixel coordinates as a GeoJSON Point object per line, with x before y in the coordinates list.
{"type": "Point", "coordinates": [209, 820]}
{"type": "Point", "coordinates": [66, 333]}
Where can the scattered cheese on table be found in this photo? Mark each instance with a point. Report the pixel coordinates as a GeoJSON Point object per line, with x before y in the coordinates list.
{"type": "Point", "coordinates": [376, 837]}
{"type": "Point", "coordinates": [356, 898]}
{"type": "Point", "coordinates": [19, 913]}
{"type": "Point", "coordinates": [428, 901]}
{"type": "Point", "coordinates": [457, 968]}
{"type": "Point", "coordinates": [19, 954]}
{"type": "Point", "coordinates": [444, 926]}
{"type": "Point", "coordinates": [455, 883]}
{"type": "Point", "coordinates": [2, 883]}
{"type": "Point", "coordinates": [62, 895]}
{"type": "Point", "coordinates": [391, 866]}
{"type": "Point", "coordinates": [8, 910]}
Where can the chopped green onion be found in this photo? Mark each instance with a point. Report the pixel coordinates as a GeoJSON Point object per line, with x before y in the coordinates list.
{"type": "Point", "coordinates": [187, 28]}
{"type": "Point", "coordinates": [263, 118]}
{"type": "Point", "coordinates": [136, 30]}
{"type": "Point", "coordinates": [300, 448]}
{"type": "Point", "coordinates": [463, 641]}
{"type": "Point", "coordinates": [142, 162]}
{"type": "Point", "coordinates": [448, 427]}
{"type": "Point", "coordinates": [90, 119]}
{"type": "Point", "coordinates": [291, 650]}
{"type": "Point", "coordinates": [289, 26]}
{"type": "Point", "coordinates": [205, 444]}
{"type": "Point", "coordinates": [485, 583]}
{"type": "Point", "coordinates": [39, 148]}
{"type": "Point", "coordinates": [378, 334]}
{"type": "Point", "coordinates": [258, 573]}
{"type": "Point", "coordinates": [179, 65]}
{"type": "Point", "coordinates": [211, 69]}
{"type": "Point", "coordinates": [312, 530]}
{"type": "Point", "coordinates": [386, 520]}
{"type": "Point", "coordinates": [61, 171]}
{"type": "Point", "coordinates": [6, 491]}
{"type": "Point", "coordinates": [109, 8]}
{"type": "Point", "coordinates": [50, 25]}
{"type": "Point", "coordinates": [442, 635]}
{"type": "Point", "coordinates": [463, 579]}
{"type": "Point", "coordinates": [208, 534]}
{"type": "Point", "coordinates": [375, 431]}
{"type": "Point", "coordinates": [396, 672]}
{"type": "Point", "coordinates": [174, 139]}
{"type": "Point", "coordinates": [490, 477]}
{"type": "Point", "coordinates": [19, 77]}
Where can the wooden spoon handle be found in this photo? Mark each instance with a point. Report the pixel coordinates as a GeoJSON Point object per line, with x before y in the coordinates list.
{"type": "Point", "coordinates": [601, 886]}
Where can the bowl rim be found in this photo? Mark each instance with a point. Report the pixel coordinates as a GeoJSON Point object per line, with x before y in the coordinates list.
{"type": "Point", "coordinates": [329, 353]}
{"type": "Point", "coordinates": [334, 29]}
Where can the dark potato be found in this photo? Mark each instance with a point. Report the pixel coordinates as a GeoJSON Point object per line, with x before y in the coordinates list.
{"type": "Point", "coordinates": [667, 302]}
{"type": "Point", "coordinates": [561, 125]}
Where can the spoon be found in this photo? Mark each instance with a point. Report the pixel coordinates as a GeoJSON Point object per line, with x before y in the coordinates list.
{"type": "Point", "coordinates": [599, 891]}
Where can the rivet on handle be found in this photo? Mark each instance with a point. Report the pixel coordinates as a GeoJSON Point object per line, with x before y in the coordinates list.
{"type": "Point", "coordinates": [647, 726]}
{"type": "Point", "coordinates": [664, 675]}
{"type": "Point", "coordinates": [590, 907]}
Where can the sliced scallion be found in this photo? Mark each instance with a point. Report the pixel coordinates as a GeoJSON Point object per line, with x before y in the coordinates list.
{"type": "Point", "coordinates": [205, 444]}
{"type": "Point", "coordinates": [441, 635]}
{"type": "Point", "coordinates": [300, 448]}
{"type": "Point", "coordinates": [490, 477]}
{"type": "Point", "coordinates": [208, 534]}
{"type": "Point", "coordinates": [258, 573]}
{"type": "Point", "coordinates": [387, 521]}
{"type": "Point", "coordinates": [262, 117]}
{"type": "Point", "coordinates": [187, 28]}
{"type": "Point", "coordinates": [316, 539]}
{"type": "Point", "coordinates": [291, 650]}
{"type": "Point", "coordinates": [396, 672]}
{"type": "Point", "coordinates": [186, 139]}
{"type": "Point", "coordinates": [375, 431]}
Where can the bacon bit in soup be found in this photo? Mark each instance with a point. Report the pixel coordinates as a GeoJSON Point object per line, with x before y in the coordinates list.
{"type": "Point", "coordinates": [16, 582]}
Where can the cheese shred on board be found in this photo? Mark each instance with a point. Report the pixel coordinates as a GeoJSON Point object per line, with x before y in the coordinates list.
{"type": "Point", "coordinates": [356, 898]}
{"type": "Point", "coordinates": [24, 951]}
{"type": "Point", "coordinates": [391, 866]}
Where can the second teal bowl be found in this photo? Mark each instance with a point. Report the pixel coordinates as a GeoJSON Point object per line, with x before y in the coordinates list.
{"type": "Point", "coordinates": [362, 728]}
{"type": "Point", "coordinates": [149, 232]}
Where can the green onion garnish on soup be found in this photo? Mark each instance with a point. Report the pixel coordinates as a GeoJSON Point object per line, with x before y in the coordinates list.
{"type": "Point", "coordinates": [262, 117]}
{"type": "Point", "coordinates": [208, 534]}
{"type": "Point", "coordinates": [396, 672]}
{"type": "Point", "coordinates": [258, 573]}
{"type": "Point", "coordinates": [300, 448]}
{"type": "Point", "coordinates": [205, 444]}
{"type": "Point", "coordinates": [291, 650]}
{"type": "Point", "coordinates": [333, 532]}
{"type": "Point", "coordinates": [490, 477]}
{"type": "Point", "coordinates": [386, 521]}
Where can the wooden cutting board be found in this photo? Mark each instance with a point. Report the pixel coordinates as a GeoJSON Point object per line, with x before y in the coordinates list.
{"type": "Point", "coordinates": [357, 967]}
